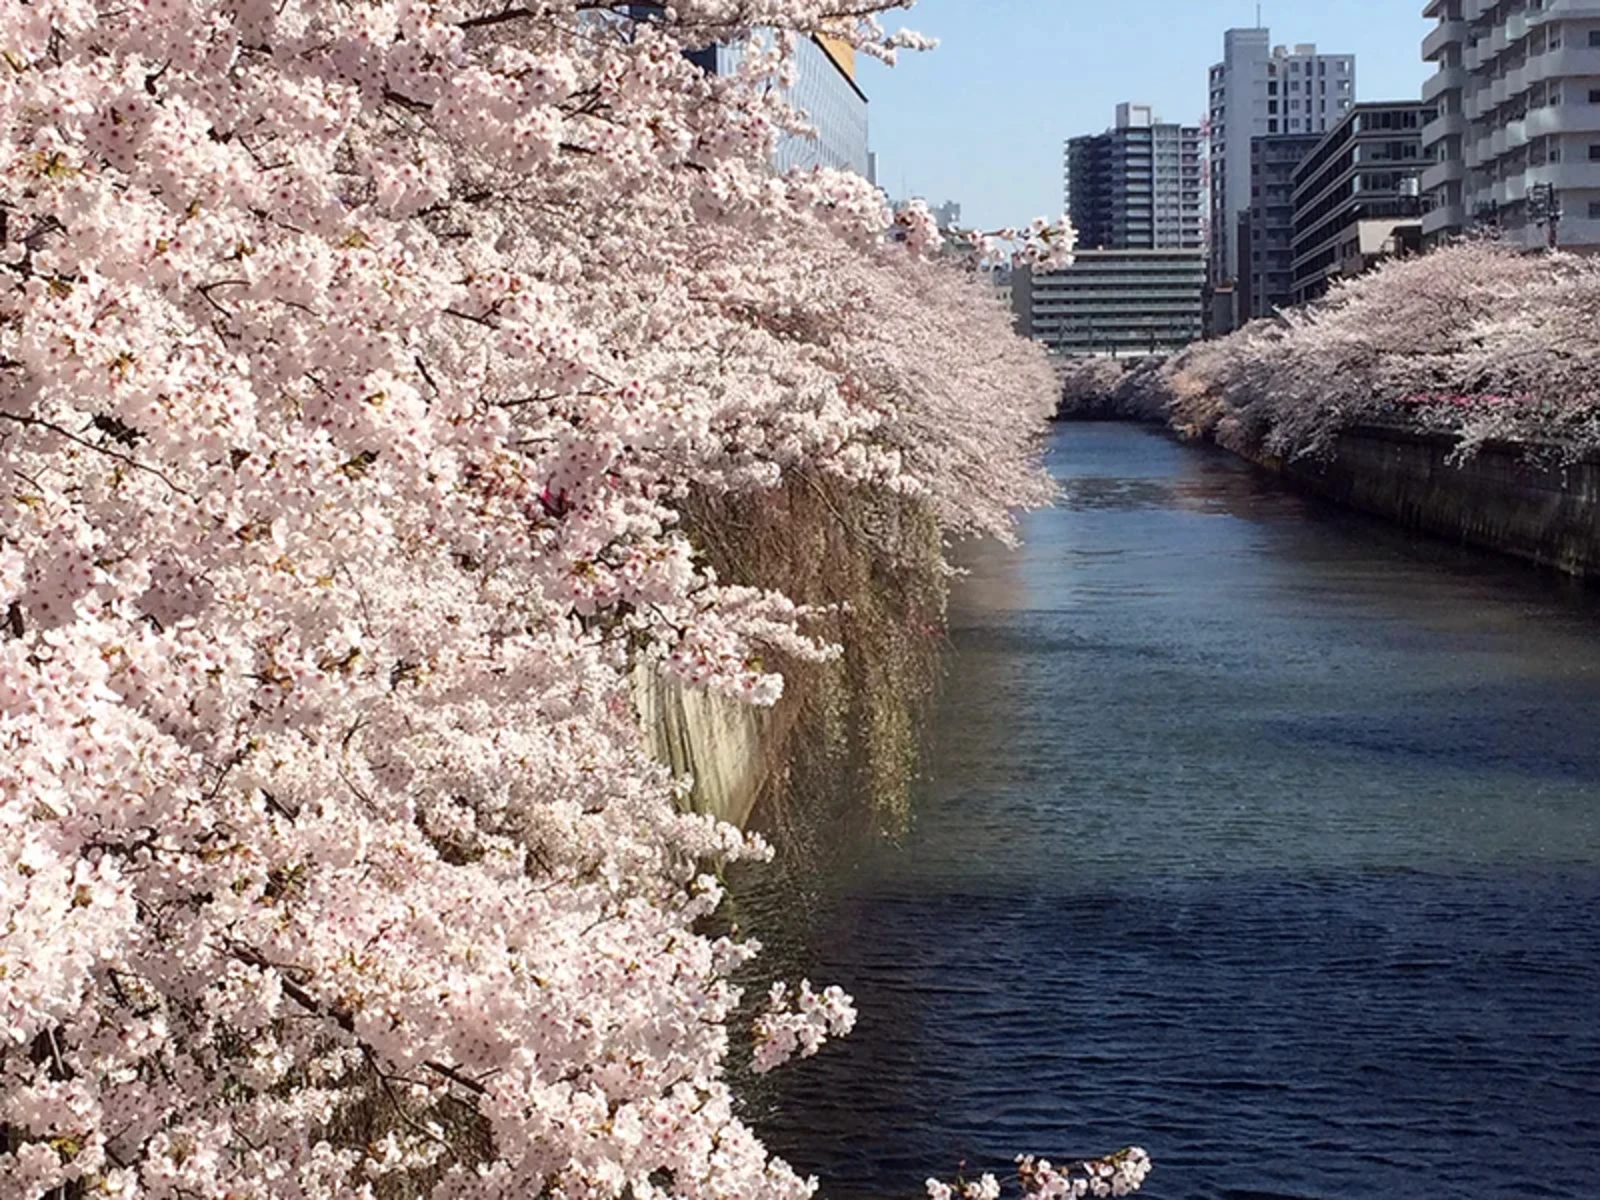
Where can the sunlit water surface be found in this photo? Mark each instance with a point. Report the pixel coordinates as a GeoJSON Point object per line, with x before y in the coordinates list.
{"type": "Point", "coordinates": [1252, 832]}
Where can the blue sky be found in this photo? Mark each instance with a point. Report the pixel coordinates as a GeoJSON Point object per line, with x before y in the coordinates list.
{"type": "Point", "coordinates": [981, 119]}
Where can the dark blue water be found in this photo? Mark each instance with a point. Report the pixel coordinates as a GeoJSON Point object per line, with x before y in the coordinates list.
{"type": "Point", "coordinates": [1254, 833]}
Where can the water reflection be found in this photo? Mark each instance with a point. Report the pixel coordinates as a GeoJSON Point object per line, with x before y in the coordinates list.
{"type": "Point", "coordinates": [1257, 833]}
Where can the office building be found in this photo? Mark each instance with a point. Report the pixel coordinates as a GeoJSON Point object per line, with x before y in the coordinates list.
{"type": "Point", "coordinates": [1137, 186]}
{"type": "Point", "coordinates": [1516, 89]}
{"type": "Point", "coordinates": [1258, 90]}
{"type": "Point", "coordinates": [1266, 228]}
{"type": "Point", "coordinates": [825, 89]}
{"type": "Point", "coordinates": [1356, 195]}
{"type": "Point", "coordinates": [1123, 303]}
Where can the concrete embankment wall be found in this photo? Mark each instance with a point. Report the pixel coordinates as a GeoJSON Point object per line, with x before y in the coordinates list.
{"type": "Point", "coordinates": [719, 742]}
{"type": "Point", "coordinates": [844, 736]}
{"type": "Point", "coordinates": [1500, 499]}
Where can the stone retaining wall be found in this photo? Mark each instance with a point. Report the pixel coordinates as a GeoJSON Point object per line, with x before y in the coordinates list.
{"type": "Point", "coordinates": [1500, 499]}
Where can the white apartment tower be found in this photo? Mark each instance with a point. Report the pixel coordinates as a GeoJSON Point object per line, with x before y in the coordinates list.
{"type": "Point", "coordinates": [1259, 89]}
{"type": "Point", "coordinates": [1137, 185]}
{"type": "Point", "coordinates": [1517, 88]}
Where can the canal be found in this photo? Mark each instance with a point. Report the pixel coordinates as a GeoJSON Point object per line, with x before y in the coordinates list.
{"type": "Point", "coordinates": [1255, 833]}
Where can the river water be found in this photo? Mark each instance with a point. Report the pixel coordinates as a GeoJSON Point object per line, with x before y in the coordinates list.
{"type": "Point", "coordinates": [1252, 832]}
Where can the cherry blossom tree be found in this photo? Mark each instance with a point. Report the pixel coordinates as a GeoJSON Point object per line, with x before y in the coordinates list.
{"type": "Point", "coordinates": [354, 361]}
{"type": "Point", "coordinates": [1475, 339]}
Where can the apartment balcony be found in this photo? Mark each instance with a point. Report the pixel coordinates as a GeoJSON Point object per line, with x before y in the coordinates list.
{"type": "Point", "coordinates": [1444, 219]}
{"type": "Point", "coordinates": [1570, 235]}
{"type": "Point", "coordinates": [1516, 82]}
{"type": "Point", "coordinates": [1564, 63]}
{"type": "Point", "coordinates": [1477, 102]}
{"type": "Point", "coordinates": [1565, 177]}
{"type": "Point", "coordinates": [1511, 30]}
{"type": "Point", "coordinates": [1564, 10]}
{"type": "Point", "coordinates": [1444, 34]}
{"type": "Point", "coordinates": [1504, 192]}
{"type": "Point", "coordinates": [1440, 173]}
{"type": "Point", "coordinates": [1516, 134]}
{"type": "Point", "coordinates": [1563, 118]}
{"type": "Point", "coordinates": [1578, 232]}
{"type": "Point", "coordinates": [1443, 126]}
{"type": "Point", "coordinates": [1445, 79]}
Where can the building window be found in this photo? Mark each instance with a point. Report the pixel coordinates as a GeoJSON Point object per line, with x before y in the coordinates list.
{"type": "Point", "coordinates": [1594, 95]}
{"type": "Point", "coordinates": [1594, 37]}
{"type": "Point", "coordinates": [1594, 210]}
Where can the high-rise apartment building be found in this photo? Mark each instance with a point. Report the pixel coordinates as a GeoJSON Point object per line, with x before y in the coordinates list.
{"type": "Point", "coordinates": [1356, 195]}
{"type": "Point", "coordinates": [1517, 92]}
{"type": "Point", "coordinates": [1256, 90]}
{"type": "Point", "coordinates": [1266, 228]}
{"type": "Point", "coordinates": [1137, 185]}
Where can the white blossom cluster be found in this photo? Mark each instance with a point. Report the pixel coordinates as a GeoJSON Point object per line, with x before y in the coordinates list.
{"type": "Point", "coordinates": [797, 1026]}
{"type": "Point", "coordinates": [356, 359]}
{"type": "Point", "coordinates": [1475, 339]}
{"type": "Point", "coordinates": [1119, 1174]}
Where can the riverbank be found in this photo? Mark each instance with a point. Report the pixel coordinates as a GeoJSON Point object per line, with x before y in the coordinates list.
{"type": "Point", "coordinates": [1450, 393]}
{"type": "Point", "coordinates": [1520, 500]}
{"type": "Point", "coordinates": [1526, 500]}
{"type": "Point", "coordinates": [1506, 497]}
{"type": "Point", "coordinates": [842, 743]}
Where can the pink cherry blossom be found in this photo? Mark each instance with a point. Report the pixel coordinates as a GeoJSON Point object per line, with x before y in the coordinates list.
{"type": "Point", "coordinates": [355, 364]}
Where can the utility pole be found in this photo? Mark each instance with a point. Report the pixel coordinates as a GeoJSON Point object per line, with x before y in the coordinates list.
{"type": "Point", "coordinates": [1544, 208]}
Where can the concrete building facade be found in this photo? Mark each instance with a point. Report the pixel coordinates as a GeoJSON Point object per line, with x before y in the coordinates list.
{"type": "Point", "coordinates": [1137, 186]}
{"type": "Point", "coordinates": [1516, 89]}
{"type": "Point", "coordinates": [1266, 228]}
{"type": "Point", "coordinates": [1357, 196]}
{"type": "Point", "coordinates": [1122, 303]}
{"type": "Point", "coordinates": [1255, 91]}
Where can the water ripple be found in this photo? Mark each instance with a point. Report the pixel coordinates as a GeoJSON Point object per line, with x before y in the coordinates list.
{"type": "Point", "coordinates": [1261, 836]}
